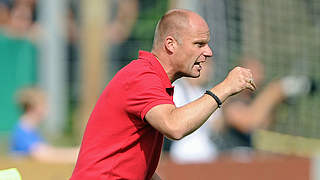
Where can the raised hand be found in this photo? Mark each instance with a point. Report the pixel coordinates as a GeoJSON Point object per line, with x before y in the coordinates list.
{"type": "Point", "coordinates": [239, 79]}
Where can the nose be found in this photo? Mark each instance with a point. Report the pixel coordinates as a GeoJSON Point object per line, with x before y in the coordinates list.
{"type": "Point", "coordinates": [207, 51]}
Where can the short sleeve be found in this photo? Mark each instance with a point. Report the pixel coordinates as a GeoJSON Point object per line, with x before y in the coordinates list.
{"type": "Point", "coordinates": [23, 141]}
{"type": "Point", "coordinates": [146, 92]}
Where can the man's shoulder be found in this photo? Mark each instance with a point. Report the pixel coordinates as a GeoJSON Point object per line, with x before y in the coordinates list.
{"type": "Point", "coordinates": [136, 68]}
{"type": "Point", "coordinates": [135, 74]}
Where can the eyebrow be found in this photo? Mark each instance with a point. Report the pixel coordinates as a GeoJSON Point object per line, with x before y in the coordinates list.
{"type": "Point", "coordinates": [201, 41]}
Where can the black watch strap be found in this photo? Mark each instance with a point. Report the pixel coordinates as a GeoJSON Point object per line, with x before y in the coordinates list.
{"type": "Point", "coordinates": [214, 97]}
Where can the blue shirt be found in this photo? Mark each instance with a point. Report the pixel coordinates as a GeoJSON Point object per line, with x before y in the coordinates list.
{"type": "Point", "coordinates": [23, 139]}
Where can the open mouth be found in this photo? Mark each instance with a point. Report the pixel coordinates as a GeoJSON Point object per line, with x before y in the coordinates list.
{"type": "Point", "coordinates": [198, 65]}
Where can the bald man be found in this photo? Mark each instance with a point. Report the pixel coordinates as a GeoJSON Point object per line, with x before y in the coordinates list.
{"type": "Point", "coordinates": [124, 134]}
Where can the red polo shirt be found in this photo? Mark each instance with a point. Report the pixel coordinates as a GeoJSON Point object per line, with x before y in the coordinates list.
{"type": "Point", "coordinates": [118, 143]}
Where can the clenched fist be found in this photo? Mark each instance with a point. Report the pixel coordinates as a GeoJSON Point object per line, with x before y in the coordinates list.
{"type": "Point", "coordinates": [237, 80]}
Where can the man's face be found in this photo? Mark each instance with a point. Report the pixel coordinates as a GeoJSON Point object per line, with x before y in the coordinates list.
{"type": "Point", "coordinates": [193, 50]}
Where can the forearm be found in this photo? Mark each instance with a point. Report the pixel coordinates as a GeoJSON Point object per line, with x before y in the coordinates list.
{"type": "Point", "coordinates": [265, 103]}
{"type": "Point", "coordinates": [191, 116]}
{"type": "Point", "coordinates": [47, 153]}
{"type": "Point", "coordinates": [176, 123]}
{"type": "Point", "coordinates": [67, 154]}
{"type": "Point", "coordinates": [246, 117]}
{"type": "Point", "coordinates": [124, 21]}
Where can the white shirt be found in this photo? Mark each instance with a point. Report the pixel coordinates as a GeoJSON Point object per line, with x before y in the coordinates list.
{"type": "Point", "coordinates": [196, 147]}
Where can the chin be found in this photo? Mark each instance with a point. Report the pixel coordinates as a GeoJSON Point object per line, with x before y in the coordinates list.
{"type": "Point", "coordinates": [194, 75]}
{"type": "Point", "coordinates": [197, 76]}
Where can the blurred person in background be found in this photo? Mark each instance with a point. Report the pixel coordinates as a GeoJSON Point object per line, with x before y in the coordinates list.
{"type": "Point", "coordinates": [196, 147]}
{"type": "Point", "coordinates": [247, 112]}
{"type": "Point", "coordinates": [5, 6]}
{"type": "Point", "coordinates": [21, 21]}
{"type": "Point", "coordinates": [131, 29]}
{"type": "Point", "coordinates": [32, 4]}
{"type": "Point", "coordinates": [123, 16]}
{"type": "Point", "coordinates": [26, 141]}
{"type": "Point", "coordinates": [19, 55]}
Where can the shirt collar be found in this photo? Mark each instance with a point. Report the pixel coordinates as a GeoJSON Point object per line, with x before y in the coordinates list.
{"type": "Point", "coordinates": [151, 58]}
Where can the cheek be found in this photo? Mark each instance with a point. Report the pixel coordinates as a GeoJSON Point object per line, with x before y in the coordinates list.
{"type": "Point", "coordinates": [42, 110]}
{"type": "Point", "coordinates": [186, 58]}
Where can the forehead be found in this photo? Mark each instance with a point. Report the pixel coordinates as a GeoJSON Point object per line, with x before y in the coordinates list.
{"type": "Point", "coordinates": [198, 28]}
{"type": "Point", "coordinates": [197, 34]}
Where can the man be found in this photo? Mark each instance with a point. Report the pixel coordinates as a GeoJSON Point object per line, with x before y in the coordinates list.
{"type": "Point", "coordinates": [125, 131]}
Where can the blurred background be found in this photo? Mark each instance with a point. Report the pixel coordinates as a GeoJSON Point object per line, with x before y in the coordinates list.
{"type": "Point", "coordinates": [71, 49]}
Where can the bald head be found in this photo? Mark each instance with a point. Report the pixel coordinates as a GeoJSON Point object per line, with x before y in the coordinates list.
{"type": "Point", "coordinates": [181, 43]}
{"type": "Point", "coordinates": [174, 23]}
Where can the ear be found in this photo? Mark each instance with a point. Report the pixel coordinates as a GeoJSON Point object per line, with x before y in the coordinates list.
{"type": "Point", "coordinates": [170, 44]}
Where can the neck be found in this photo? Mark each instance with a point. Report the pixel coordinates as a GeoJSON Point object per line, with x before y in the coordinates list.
{"type": "Point", "coordinates": [166, 64]}
{"type": "Point", "coordinates": [193, 81]}
{"type": "Point", "coordinates": [30, 120]}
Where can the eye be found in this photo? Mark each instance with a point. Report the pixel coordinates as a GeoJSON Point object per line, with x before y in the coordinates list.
{"type": "Point", "coordinates": [200, 44]}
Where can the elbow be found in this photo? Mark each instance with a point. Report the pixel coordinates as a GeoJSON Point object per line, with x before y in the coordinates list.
{"type": "Point", "coordinates": [174, 137]}
{"type": "Point", "coordinates": [174, 133]}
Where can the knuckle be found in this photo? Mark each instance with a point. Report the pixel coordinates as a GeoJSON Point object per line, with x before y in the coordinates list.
{"type": "Point", "coordinates": [242, 77]}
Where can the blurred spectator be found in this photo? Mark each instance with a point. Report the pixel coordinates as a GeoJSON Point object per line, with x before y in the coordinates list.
{"type": "Point", "coordinates": [123, 19]}
{"type": "Point", "coordinates": [123, 16]}
{"type": "Point", "coordinates": [32, 4]}
{"type": "Point", "coordinates": [247, 112]}
{"type": "Point", "coordinates": [26, 140]}
{"type": "Point", "coordinates": [21, 20]}
{"type": "Point", "coordinates": [131, 29]}
{"type": "Point", "coordinates": [18, 65]}
{"type": "Point", "coordinates": [196, 147]}
{"type": "Point", "coordinates": [5, 6]}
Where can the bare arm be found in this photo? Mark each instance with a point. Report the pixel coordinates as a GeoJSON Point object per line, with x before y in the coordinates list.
{"type": "Point", "coordinates": [257, 114]}
{"type": "Point", "coordinates": [48, 153]}
{"type": "Point", "coordinates": [176, 123]}
{"type": "Point", "coordinates": [120, 28]}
